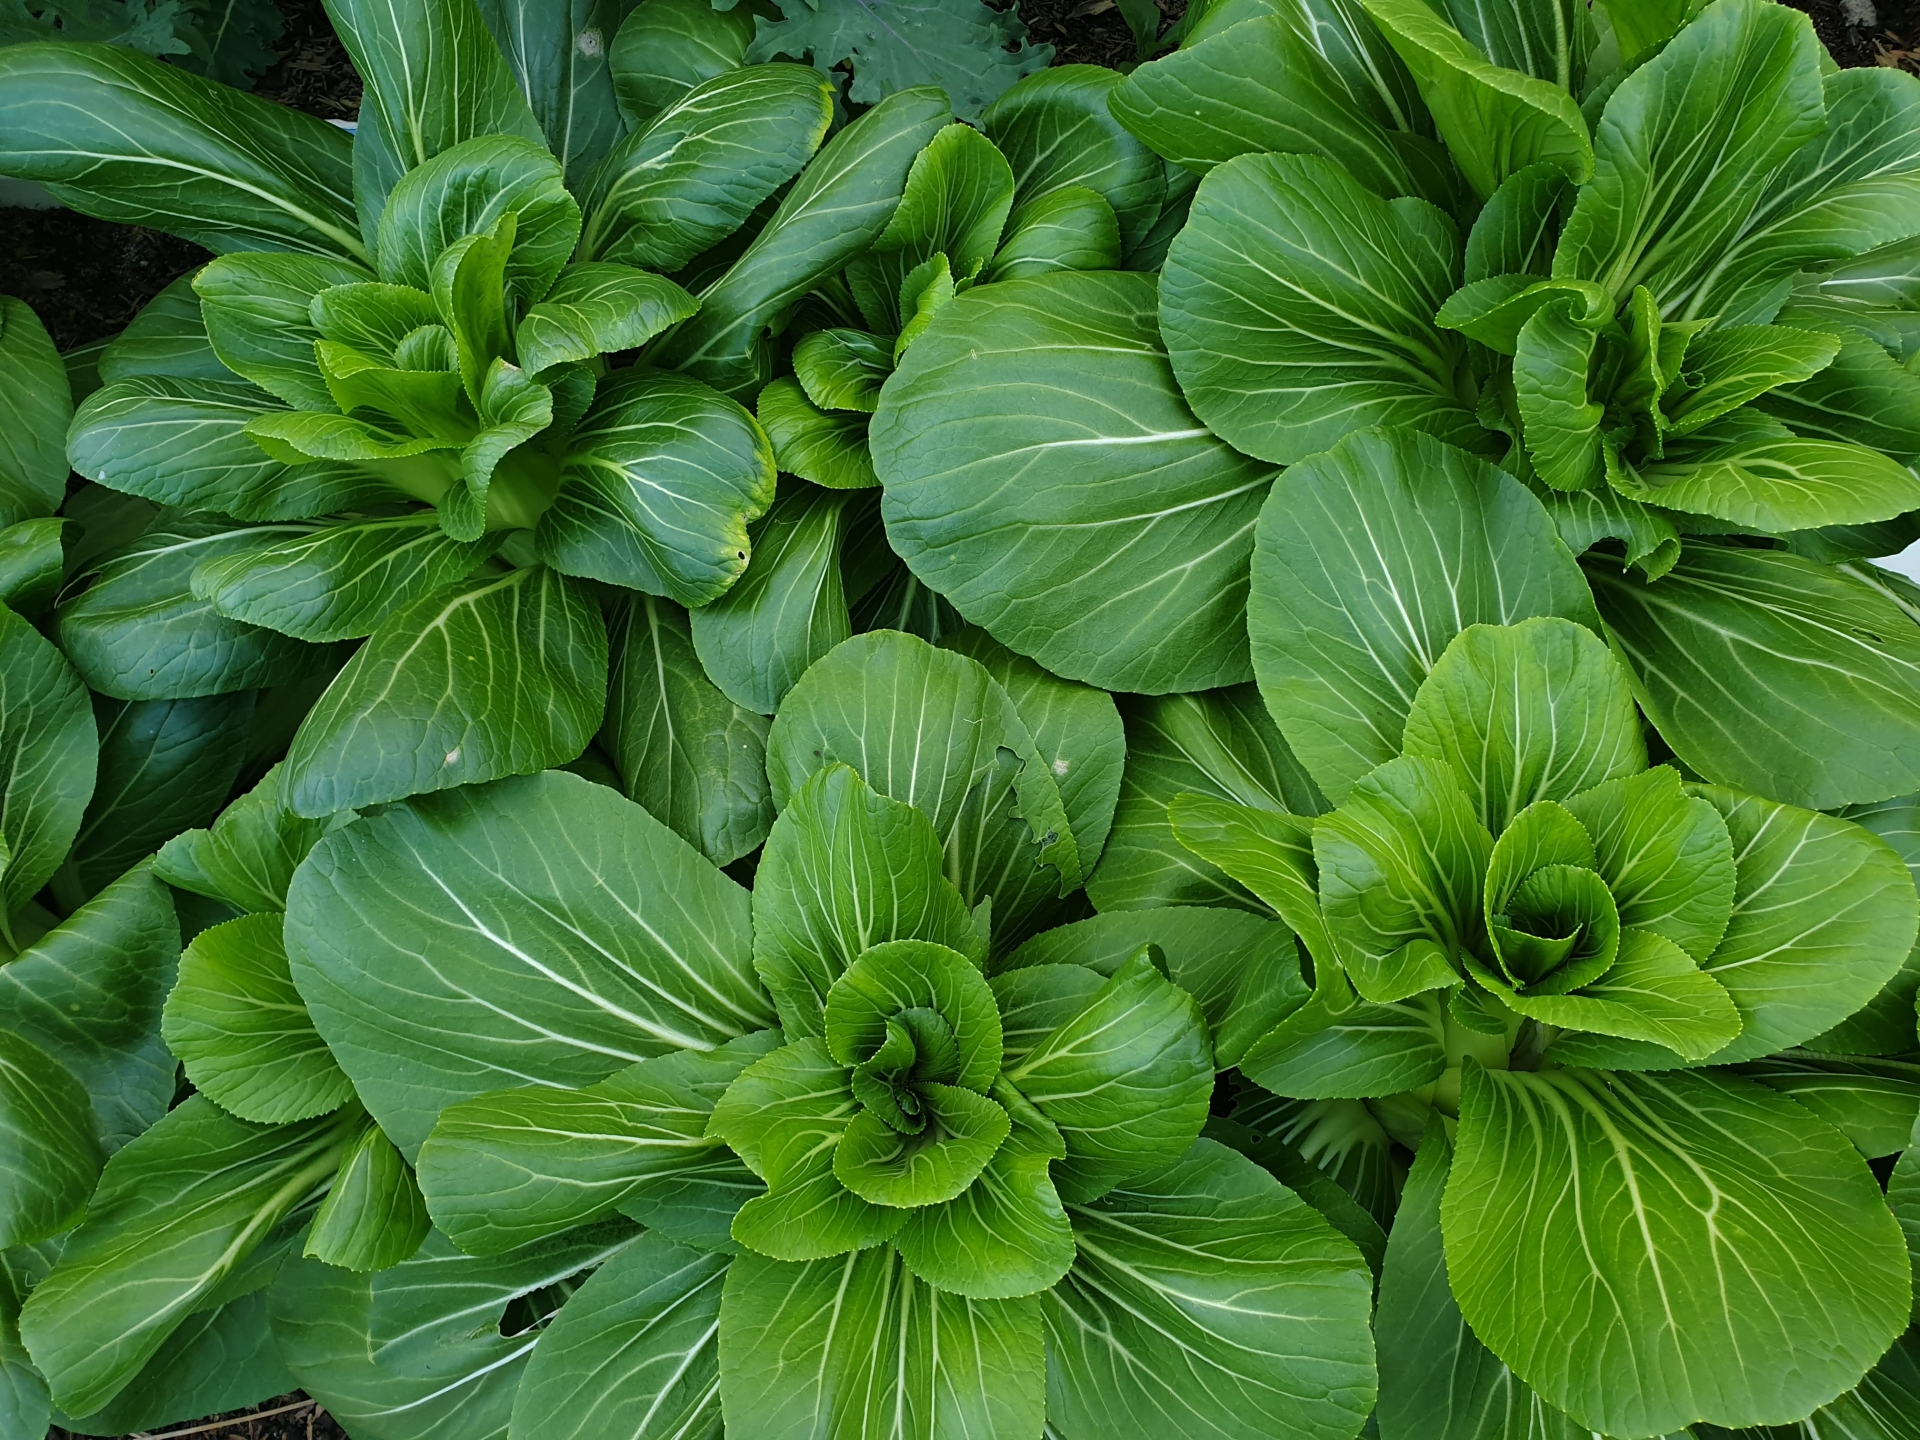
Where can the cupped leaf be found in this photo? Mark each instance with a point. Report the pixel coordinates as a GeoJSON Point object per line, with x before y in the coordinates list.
{"type": "Point", "coordinates": [593, 309]}
{"type": "Point", "coordinates": [373, 1218]}
{"type": "Point", "coordinates": [1330, 329]}
{"type": "Point", "coordinates": [693, 175]}
{"type": "Point", "coordinates": [48, 738]}
{"type": "Point", "coordinates": [827, 447]}
{"type": "Point", "coordinates": [901, 975]}
{"type": "Point", "coordinates": [634, 1352]}
{"type": "Point", "coordinates": [845, 869]}
{"type": "Point", "coordinates": [692, 757]}
{"type": "Point", "coordinates": [1770, 673]}
{"type": "Point", "coordinates": [963, 1130]}
{"type": "Point", "coordinates": [423, 705]}
{"type": "Point", "coordinates": [1072, 228]}
{"type": "Point", "coordinates": [1209, 1300]}
{"type": "Point", "coordinates": [257, 309]}
{"type": "Point", "coordinates": [634, 947]}
{"type": "Point", "coordinates": [1553, 355]}
{"type": "Point", "coordinates": [1043, 473]}
{"type": "Point", "coordinates": [178, 1211]}
{"type": "Point", "coordinates": [1057, 129]}
{"type": "Point", "coordinates": [509, 1167]}
{"type": "Point", "coordinates": [1715, 1226]}
{"type": "Point", "coordinates": [666, 47]}
{"type": "Point", "coordinates": [1353, 549]}
{"type": "Point", "coordinates": [121, 137]}
{"type": "Point", "coordinates": [857, 1348]}
{"type": "Point", "coordinates": [52, 1156]}
{"type": "Point", "coordinates": [1665, 855]}
{"type": "Point", "coordinates": [660, 481]}
{"type": "Point", "coordinates": [843, 369]}
{"type": "Point", "coordinates": [37, 409]}
{"type": "Point", "coordinates": [1126, 1081]}
{"type": "Point", "coordinates": [242, 1030]}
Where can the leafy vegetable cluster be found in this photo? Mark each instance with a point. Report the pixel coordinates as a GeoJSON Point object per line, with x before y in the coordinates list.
{"type": "Point", "coordinates": [681, 763]}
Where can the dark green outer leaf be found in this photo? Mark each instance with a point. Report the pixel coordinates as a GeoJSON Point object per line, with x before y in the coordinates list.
{"type": "Point", "coordinates": [558, 56]}
{"type": "Point", "coordinates": [623, 945]}
{"type": "Point", "coordinates": [1886, 1025]}
{"type": "Point", "coordinates": [1044, 474]}
{"type": "Point", "coordinates": [168, 337]}
{"type": "Point", "coordinates": [1056, 129]}
{"type": "Point", "coordinates": [666, 47]}
{"type": "Point", "coordinates": [124, 138]}
{"type": "Point", "coordinates": [36, 404]}
{"type": "Point", "coordinates": [47, 740]}
{"type": "Point", "coordinates": [46, 1136]}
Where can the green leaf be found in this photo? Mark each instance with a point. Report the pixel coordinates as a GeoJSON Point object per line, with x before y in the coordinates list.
{"type": "Point", "coordinates": [1770, 673]}
{"type": "Point", "coordinates": [1774, 485]}
{"type": "Point", "coordinates": [164, 765]}
{"type": "Point", "coordinates": [1209, 1301]}
{"type": "Point", "coordinates": [1220, 743]}
{"type": "Point", "coordinates": [787, 610]}
{"type": "Point", "coordinates": [421, 706]}
{"type": "Point", "coordinates": [1540, 710]}
{"type": "Point", "coordinates": [593, 309]}
{"type": "Point", "coordinates": [420, 1350]}
{"type": "Point", "coordinates": [48, 739]}
{"type": "Point", "coordinates": [1057, 129]}
{"type": "Point", "coordinates": [694, 174]}
{"type": "Point", "coordinates": [1127, 1081]}
{"type": "Point", "coordinates": [1865, 397]}
{"type": "Point", "coordinates": [1335, 1047]}
{"type": "Point", "coordinates": [958, 195]}
{"type": "Point", "coordinates": [1344, 1140]}
{"type": "Point", "coordinates": [339, 581]}
{"type": "Point", "coordinates": [1684, 150]}
{"type": "Point", "coordinates": [964, 1130]}
{"type": "Point", "coordinates": [1514, 232]}
{"type": "Point", "coordinates": [242, 1030]}
{"type": "Point", "coordinates": [249, 855]}
{"type": "Point", "coordinates": [1266, 85]}
{"type": "Point", "coordinates": [52, 1157]}
{"type": "Point", "coordinates": [1037, 426]}
{"type": "Point", "coordinates": [373, 1218]}
{"type": "Point", "coordinates": [1350, 283]}
{"type": "Point", "coordinates": [666, 47]}
{"type": "Point", "coordinates": [844, 369]}
{"type": "Point", "coordinates": [177, 1211]}
{"type": "Point", "coordinates": [634, 1352]}
{"type": "Point", "coordinates": [1072, 228]}
{"type": "Point", "coordinates": [124, 138]}
{"type": "Point", "coordinates": [633, 948]}
{"type": "Point", "coordinates": [1656, 1183]}
{"type": "Point", "coordinates": [558, 57]}
{"type": "Point", "coordinates": [856, 1348]}
{"type": "Point", "coordinates": [89, 993]}
{"type": "Point", "coordinates": [1729, 365]}
{"type": "Point", "coordinates": [1400, 867]}
{"type": "Point", "coordinates": [509, 1167]}
{"type": "Point", "coordinates": [1872, 1102]}
{"type": "Point", "coordinates": [1552, 368]}
{"type": "Point", "coordinates": [37, 408]}
{"type": "Point", "coordinates": [845, 869]}
{"type": "Point", "coordinates": [661, 479]}
{"type": "Point", "coordinates": [1495, 120]}
{"type": "Point", "coordinates": [833, 212]}
{"type": "Point", "coordinates": [1665, 855]}
{"type": "Point", "coordinates": [1271, 854]}
{"type": "Point", "coordinates": [167, 337]}
{"type": "Point", "coordinates": [1307, 1180]}
{"type": "Point", "coordinates": [32, 564]}
{"type": "Point", "coordinates": [827, 448]}
{"type": "Point", "coordinates": [1881, 1026]}
{"type": "Point", "coordinates": [257, 309]}
{"type": "Point", "coordinates": [1354, 548]}
{"type": "Point", "coordinates": [692, 757]}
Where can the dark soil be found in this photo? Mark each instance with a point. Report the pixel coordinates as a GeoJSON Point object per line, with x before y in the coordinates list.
{"type": "Point", "coordinates": [1089, 32]}
{"type": "Point", "coordinates": [291, 1417]}
{"type": "Point", "coordinates": [314, 73]}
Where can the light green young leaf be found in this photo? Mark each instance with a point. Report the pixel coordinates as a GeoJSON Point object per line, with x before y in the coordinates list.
{"type": "Point", "coordinates": [635, 1351]}
{"type": "Point", "coordinates": [48, 738]}
{"type": "Point", "coordinates": [1347, 284]}
{"type": "Point", "coordinates": [630, 946]}
{"type": "Point", "coordinates": [257, 311]}
{"type": "Point", "coordinates": [236, 1021]}
{"type": "Point", "coordinates": [1072, 228]}
{"type": "Point", "coordinates": [52, 1158]}
{"type": "Point", "coordinates": [421, 706]}
{"type": "Point", "coordinates": [1773, 485]}
{"type": "Point", "coordinates": [828, 448]}
{"type": "Point", "coordinates": [121, 137]}
{"type": "Point", "coordinates": [1728, 365]}
{"type": "Point", "coordinates": [1656, 1183]}
{"type": "Point", "coordinates": [1269, 853]}
{"type": "Point", "coordinates": [1369, 560]}
{"type": "Point", "coordinates": [661, 480]}
{"type": "Point", "coordinates": [249, 855]}
{"type": "Point", "coordinates": [1335, 1047]}
{"type": "Point", "coordinates": [666, 47]}
{"type": "Point", "coordinates": [844, 369]}
{"type": "Point", "coordinates": [956, 202]}
{"type": "Point", "coordinates": [593, 309]}
{"type": "Point", "coordinates": [1514, 232]}
{"type": "Point", "coordinates": [177, 1212]}
{"type": "Point", "coordinates": [1665, 855]}
{"type": "Point", "coordinates": [1046, 409]}
{"type": "Point", "coordinates": [856, 1348]}
{"type": "Point", "coordinates": [692, 757]}
{"type": "Point", "coordinates": [1209, 1301]}
{"type": "Point", "coordinates": [1552, 375]}
{"type": "Point", "coordinates": [1540, 710]}
{"type": "Point", "coordinates": [373, 1218]}
{"type": "Point", "coordinates": [36, 409]}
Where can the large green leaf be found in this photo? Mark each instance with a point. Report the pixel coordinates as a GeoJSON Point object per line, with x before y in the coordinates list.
{"type": "Point", "coordinates": [1209, 1301]}
{"type": "Point", "coordinates": [1775, 485]}
{"type": "Point", "coordinates": [51, 1156]}
{"type": "Point", "coordinates": [1885, 1025]}
{"type": "Point", "coordinates": [501, 675]}
{"type": "Point", "coordinates": [167, 337]}
{"type": "Point", "coordinates": [856, 1348]}
{"type": "Point", "coordinates": [48, 741]}
{"type": "Point", "coordinates": [1369, 560]}
{"type": "Point", "coordinates": [1872, 1102]}
{"type": "Point", "coordinates": [138, 632]}
{"type": "Point", "coordinates": [837, 208]}
{"type": "Point", "coordinates": [634, 1353]}
{"type": "Point", "coordinates": [1647, 1251]}
{"type": "Point", "coordinates": [662, 477]}
{"type": "Point", "coordinates": [666, 47]}
{"type": "Point", "coordinates": [684, 750]}
{"type": "Point", "coordinates": [625, 945]}
{"type": "Point", "coordinates": [693, 175]}
{"type": "Point", "coordinates": [431, 1349]}
{"type": "Point", "coordinates": [1685, 147]}
{"type": "Point", "coordinates": [1298, 307]}
{"type": "Point", "coordinates": [1770, 673]}
{"type": "Point", "coordinates": [1336, 1047]}
{"type": "Point", "coordinates": [122, 137]}
{"type": "Point", "coordinates": [177, 1212]}
{"type": "Point", "coordinates": [257, 309]}
{"type": "Point", "coordinates": [559, 57]}
{"type": "Point", "coordinates": [596, 308]}
{"type": "Point", "coordinates": [1045, 475]}
{"type": "Point", "coordinates": [37, 407]}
